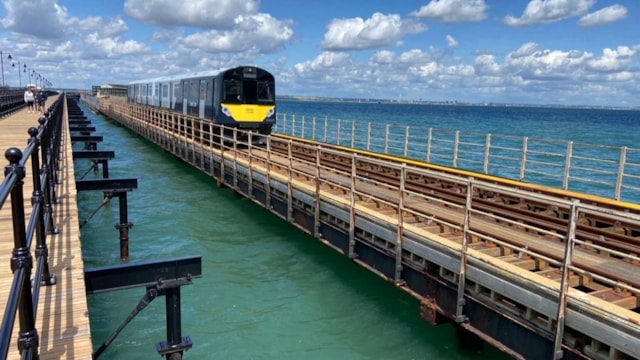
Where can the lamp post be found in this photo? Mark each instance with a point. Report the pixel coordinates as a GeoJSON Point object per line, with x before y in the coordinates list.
{"type": "Point", "coordinates": [2, 65]}
{"type": "Point", "coordinates": [28, 71]}
{"type": "Point", "coordinates": [19, 72]}
{"type": "Point", "coordinates": [9, 57]}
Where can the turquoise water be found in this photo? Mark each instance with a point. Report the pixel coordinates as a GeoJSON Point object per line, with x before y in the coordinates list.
{"type": "Point", "coordinates": [268, 291]}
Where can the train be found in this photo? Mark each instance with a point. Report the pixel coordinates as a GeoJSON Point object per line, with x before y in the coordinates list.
{"type": "Point", "coordinates": [242, 97]}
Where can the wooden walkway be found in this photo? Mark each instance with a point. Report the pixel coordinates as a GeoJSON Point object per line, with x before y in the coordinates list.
{"type": "Point", "coordinates": [62, 318]}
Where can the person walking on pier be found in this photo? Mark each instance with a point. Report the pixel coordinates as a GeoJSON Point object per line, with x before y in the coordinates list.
{"type": "Point", "coordinates": [29, 98]}
{"type": "Point", "coordinates": [40, 98]}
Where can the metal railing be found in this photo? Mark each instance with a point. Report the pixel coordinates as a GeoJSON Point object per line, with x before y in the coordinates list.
{"type": "Point", "coordinates": [607, 171]}
{"type": "Point", "coordinates": [10, 101]}
{"type": "Point", "coordinates": [191, 139]}
{"type": "Point", "coordinates": [43, 148]}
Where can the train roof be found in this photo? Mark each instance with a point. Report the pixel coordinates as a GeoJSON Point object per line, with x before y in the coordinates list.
{"type": "Point", "coordinates": [169, 78]}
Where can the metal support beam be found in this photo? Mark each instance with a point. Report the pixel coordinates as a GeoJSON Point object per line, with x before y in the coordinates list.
{"type": "Point", "coordinates": [164, 277]}
{"type": "Point", "coordinates": [82, 128]}
{"type": "Point", "coordinates": [85, 138]}
{"type": "Point", "coordinates": [149, 273]}
{"type": "Point", "coordinates": [107, 185]}
{"type": "Point", "coordinates": [94, 155]}
{"type": "Point", "coordinates": [79, 122]}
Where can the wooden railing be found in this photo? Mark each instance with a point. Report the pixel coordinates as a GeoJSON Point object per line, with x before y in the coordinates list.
{"type": "Point", "coordinates": [607, 171]}
{"type": "Point", "coordinates": [191, 139]}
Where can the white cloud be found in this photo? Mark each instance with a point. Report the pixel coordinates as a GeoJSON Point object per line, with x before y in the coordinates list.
{"type": "Point", "coordinates": [603, 16]}
{"type": "Point", "coordinates": [451, 42]}
{"type": "Point", "coordinates": [453, 11]}
{"type": "Point", "coordinates": [110, 47]}
{"type": "Point", "coordinates": [415, 56]}
{"type": "Point", "coordinates": [377, 31]}
{"type": "Point", "coordinates": [613, 60]}
{"type": "Point", "coordinates": [382, 57]}
{"type": "Point", "coordinates": [547, 64]}
{"type": "Point", "coordinates": [106, 27]}
{"type": "Point", "coordinates": [325, 61]}
{"type": "Point", "coordinates": [206, 14]}
{"type": "Point", "coordinates": [485, 64]}
{"type": "Point", "coordinates": [259, 34]}
{"type": "Point", "coordinates": [547, 11]}
{"type": "Point", "coordinates": [40, 18]}
{"type": "Point", "coordinates": [541, 75]}
{"type": "Point", "coordinates": [527, 49]}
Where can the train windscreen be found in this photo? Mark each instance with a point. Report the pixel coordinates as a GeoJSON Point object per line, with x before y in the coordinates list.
{"type": "Point", "coordinates": [249, 88]}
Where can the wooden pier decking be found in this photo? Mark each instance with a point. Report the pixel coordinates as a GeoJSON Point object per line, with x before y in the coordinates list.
{"type": "Point", "coordinates": [62, 318]}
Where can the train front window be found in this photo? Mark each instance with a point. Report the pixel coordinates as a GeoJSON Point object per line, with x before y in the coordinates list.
{"type": "Point", "coordinates": [266, 93]}
{"type": "Point", "coordinates": [248, 88]}
{"type": "Point", "coordinates": [232, 92]}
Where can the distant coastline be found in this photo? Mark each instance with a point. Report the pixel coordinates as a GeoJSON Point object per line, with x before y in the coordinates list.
{"type": "Point", "coordinates": [449, 103]}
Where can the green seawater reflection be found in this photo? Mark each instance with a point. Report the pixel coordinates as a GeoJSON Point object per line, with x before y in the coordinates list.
{"type": "Point", "coordinates": [268, 291]}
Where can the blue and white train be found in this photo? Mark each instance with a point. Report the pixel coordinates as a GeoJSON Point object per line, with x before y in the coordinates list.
{"type": "Point", "coordinates": [242, 97]}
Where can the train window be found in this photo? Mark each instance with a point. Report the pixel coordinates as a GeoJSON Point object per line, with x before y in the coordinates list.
{"type": "Point", "coordinates": [203, 89]}
{"type": "Point", "coordinates": [194, 93]}
{"type": "Point", "coordinates": [266, 92]}
{"type": "Point", "coordinates": [177, 90]}
{"type": "Point", "coordinates": [250, 91]}
{"type": "Point", "coordinates": [231, 91]}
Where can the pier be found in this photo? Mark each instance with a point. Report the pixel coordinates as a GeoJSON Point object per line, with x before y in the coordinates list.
{"type": "Point", "coordinates": [62, 318]}
{"type": "Point", "coordinates": [538, 272]}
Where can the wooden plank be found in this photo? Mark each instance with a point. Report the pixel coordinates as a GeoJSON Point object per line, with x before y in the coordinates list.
{"type": "Point", "coordinates": [62, 320]}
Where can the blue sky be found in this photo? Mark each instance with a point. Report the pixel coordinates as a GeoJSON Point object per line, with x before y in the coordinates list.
{"type": "Point", "coordinates": [572, 52]}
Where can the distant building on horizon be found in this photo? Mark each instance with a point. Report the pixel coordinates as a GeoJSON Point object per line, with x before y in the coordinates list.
{"type": "Point", "coordinates": [109, 90]}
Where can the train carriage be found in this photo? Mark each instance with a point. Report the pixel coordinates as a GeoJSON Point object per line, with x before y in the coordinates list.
{"type": "Point", "coordinates": [241, 97]}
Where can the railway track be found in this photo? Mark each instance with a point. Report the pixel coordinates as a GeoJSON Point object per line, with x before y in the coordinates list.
{"type": "Point", "coordinates": [423, 226]}
{"type": "Point", "coordinates": [526, 225]}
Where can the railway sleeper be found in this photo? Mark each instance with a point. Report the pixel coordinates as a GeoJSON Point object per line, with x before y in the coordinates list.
{"type": "Point", "coordinates": [555, 274]}
{"type": "Point", "coordinates": [617, 296]}
{"type": "Point", "coordinates": [521, 260]}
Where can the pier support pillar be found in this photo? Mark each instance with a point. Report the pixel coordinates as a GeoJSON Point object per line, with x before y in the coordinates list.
{"type": "Point", "coordinates": [124, 226]}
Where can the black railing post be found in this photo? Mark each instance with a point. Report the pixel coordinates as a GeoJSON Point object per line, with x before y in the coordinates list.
{"type": "Point", "coordinates": [37, 202]}
{"type": "Point", "coordinates": [21, 257]}
{"type": "Point", "coordinates": [49, 199]}
{"type": "Point", "coordinates": [54, 122]}
{"type": "Point", "coordinates": [57, 153]}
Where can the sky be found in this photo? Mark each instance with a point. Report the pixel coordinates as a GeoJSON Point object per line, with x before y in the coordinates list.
{"type": "Point", "coordinates": [566, 52]}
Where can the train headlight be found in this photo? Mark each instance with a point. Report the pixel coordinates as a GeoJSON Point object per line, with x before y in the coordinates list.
{"type": "Point", "coordinates": [271, 112]}
{"type": "Point", "coordinates": [226, 111]}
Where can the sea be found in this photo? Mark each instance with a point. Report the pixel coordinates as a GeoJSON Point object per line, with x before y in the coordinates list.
{"type": "Point", "coordinates": [269, 291]}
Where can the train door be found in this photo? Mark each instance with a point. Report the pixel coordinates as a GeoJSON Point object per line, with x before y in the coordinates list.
{"type": "Point", "coordinates": [193, 97]}
{"type": "Point", "coordinates": [176, 96]}
{"type": "Point", "coordinates": [164, 95]}
{"type": "Point", "coordinates": [203, 98]}
{"type": "Point", "coordinates": [185, 96]}
{"type": "Point", "coordinates": [158, 87]}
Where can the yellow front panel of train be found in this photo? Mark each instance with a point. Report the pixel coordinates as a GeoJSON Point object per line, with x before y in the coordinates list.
{"type": "Point", "coordinates": [248, 112]}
